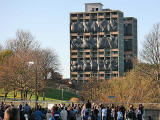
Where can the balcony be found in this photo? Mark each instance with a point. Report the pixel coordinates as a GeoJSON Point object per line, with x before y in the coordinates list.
{"type": "Point", "coordinates": [101, 50]}
{"type": "Point", "coordinates": [73, 50]}
{"type": "Point", "coordinates": [87, 17]}
{"type": "Point", "coordinates": [114, 50]}
{"type": "Point", "coordinates": [87, 34]}
{"type": "Point", "coordinates": [74, 56]}
{"type": "Point", "coordinates": [74, 18]}
{"type": "Point", "coordinates": [114, 33]}
{"type": "Point", "coordinates": [74, 34]}
{"type": "Point", "coordinates": [87, 50]}
{"type": "Point", "coordinates": [101, 55]}
{"type": "Point", "coordinates": [101, 33]}
{"type": "Point", "coordinates": [74, 73]}
{"type": "Point", "coordinates": [115, 55]}
{"type": "Point", "coordinates": [87, 72]}
{"type": "Point", "coordinates": [114, 72]}
{"type": "Point", "coordinates": [87, 56]}
{"type": "Point", "coordinates": [101, 17]}
{"type": "Point", "coordinates": [114, 16]}
{"type": "Point", "coordinates": [101, 72]}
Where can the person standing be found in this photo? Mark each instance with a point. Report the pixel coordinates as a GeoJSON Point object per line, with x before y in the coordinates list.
{"type": "Point", "coordinates": [99, 112]}
{"type": "Point", "coordinates": [63, 114]}
{"type": "Point", "coordinates": [104, 113]}
{"type": "Point", "coordinates": [38, 114]}
{"type": "Point", "coordinates": [11, 113]}
{"type": "Point", "coordinates": [120, 115]}
{"type": "Point", "coordinates": [131, 113]}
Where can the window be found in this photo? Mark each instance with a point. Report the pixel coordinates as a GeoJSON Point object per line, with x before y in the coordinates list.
{"type": "Point", "coordinates": [87, 75]}
{"type": "Point", "coordinates": [128, 45]}
{"type": "Point", "coordinates": [114, 13]}
{"type": "Point", "coordinates": [101, 53]}
{"type": "Point", "coordinates": [114, 75]}
{"type": "Point", "coordinates": [127, 29]}
{"type": "Point", "coordinates": [96, 9]}
{"type": "Point", "coordinates": [107, 53]}
{"type": "Point", "coordinates": [87, 14]}
{"type": "Point", "coordinates": [80, 15]}
{"type": "Point", "coordinates": [80, 53]}
{"type": "Point", "coordinates": [74, 53]}
{"type": "Point", "coordinates": [87, 59]}
{"type": "Point", "coordinates": [87, 53]}
{"type": "Point", "coordinates": [101, 75]}
{"type": "Point", "coordinates": [107, 76]}
{"type": "Point", "coordinates": [73, 15]}
{"type": "Point", "coordinates": [81, 75]}
{"type": "Point", "coordinates": [100, 14]}
{"type": "Point", "coordinates": [74, 75]}
{"type": "Point", "coordinates": [114, 52]}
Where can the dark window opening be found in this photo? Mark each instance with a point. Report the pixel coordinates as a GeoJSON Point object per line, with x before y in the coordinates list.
{"type": "Point", "coordinates": [127, 29]}
{"type": "Point", "coordinates": [127, 45]}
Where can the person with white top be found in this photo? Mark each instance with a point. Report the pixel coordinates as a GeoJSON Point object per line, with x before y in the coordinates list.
{"type": "Point", "coordinates": [49, 115]}
{"type": "Point", "coordinates": [104, 113]}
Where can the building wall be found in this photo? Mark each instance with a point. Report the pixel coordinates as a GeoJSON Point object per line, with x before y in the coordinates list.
{"type": "Point", "coordinates": [130, 42]}
{"type": "Point", "coordinates": [121, 45]}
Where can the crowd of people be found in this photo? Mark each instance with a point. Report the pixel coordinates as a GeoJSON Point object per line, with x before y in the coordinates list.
{"type": "Point", "coordinates": [72, 111]}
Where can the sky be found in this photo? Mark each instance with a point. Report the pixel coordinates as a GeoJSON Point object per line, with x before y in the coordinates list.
{"type": "Point", "coordinates": [48, 21]}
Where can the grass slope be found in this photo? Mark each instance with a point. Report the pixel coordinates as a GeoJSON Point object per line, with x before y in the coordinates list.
{"type": "Point", "coordinates": [50, 94]}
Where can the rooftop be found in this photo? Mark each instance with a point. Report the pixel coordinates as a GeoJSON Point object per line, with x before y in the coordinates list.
{"type": "Point", "coordinates": [93, 3]}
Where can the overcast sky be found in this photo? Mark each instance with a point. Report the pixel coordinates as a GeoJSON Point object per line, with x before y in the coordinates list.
{"type": "Point", "coordinates": [48, 20]}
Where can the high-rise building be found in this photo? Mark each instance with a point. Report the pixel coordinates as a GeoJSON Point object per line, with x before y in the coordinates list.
{"type": "Point", "coordinates": [103, 43]}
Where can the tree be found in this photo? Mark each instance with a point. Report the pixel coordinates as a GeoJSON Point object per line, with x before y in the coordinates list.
{"type": "Point", "coordinates": [23, 47]}
{"type": "Point", "coordinates": [4, 71]}
{"type": "Point", "coordinates": [48, 63]}
{"type": "Point", "coordinates": [1, 48]}
{"type": "Point", "coordinates": [26, 77]}
{"type": "Point", "coordinates": [150, 54]}
{"type": "Point", "coordinates": [131, 88]}
{"type": "Point", "coordinates": [89, 89]}
{"type": "Point", "coordinates": [24, 41]}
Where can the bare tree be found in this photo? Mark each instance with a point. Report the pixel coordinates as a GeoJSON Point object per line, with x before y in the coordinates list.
{"type": "Point", "coordinates": [22, 47]}
{"type": "Point", "coordinates": [23, 41]}
{"type": "Point", "coordinates": [48, 60]}
{"type": "Point", "coordinates": [1, 47]}
{"type": "Point", "coordinates": [150, 54]}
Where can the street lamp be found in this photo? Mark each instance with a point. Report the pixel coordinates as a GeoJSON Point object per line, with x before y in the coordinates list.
{"type": "Point", "coordinates": [62, 94]}
{"type": "Point", "coordinates": [36, 96]}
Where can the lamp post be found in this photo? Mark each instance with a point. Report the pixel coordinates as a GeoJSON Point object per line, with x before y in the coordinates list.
{"type": "Point", "coordinates": [36, 90]}
{"type": "Point", "coordinates": [62, 94]}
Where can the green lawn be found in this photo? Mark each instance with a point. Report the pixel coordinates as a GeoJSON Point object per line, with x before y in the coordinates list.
{"type": "Point", "coordinates": [50, 94]}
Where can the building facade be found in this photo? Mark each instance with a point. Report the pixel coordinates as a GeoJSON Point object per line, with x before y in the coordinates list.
{"type": "Point", "coordinates": [130, 42]}
{"type": "Point", "coordinates": [98, 38]}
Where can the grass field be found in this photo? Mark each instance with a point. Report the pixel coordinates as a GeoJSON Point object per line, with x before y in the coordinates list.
{"type": "Point", "coordinates": [50, 94]}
